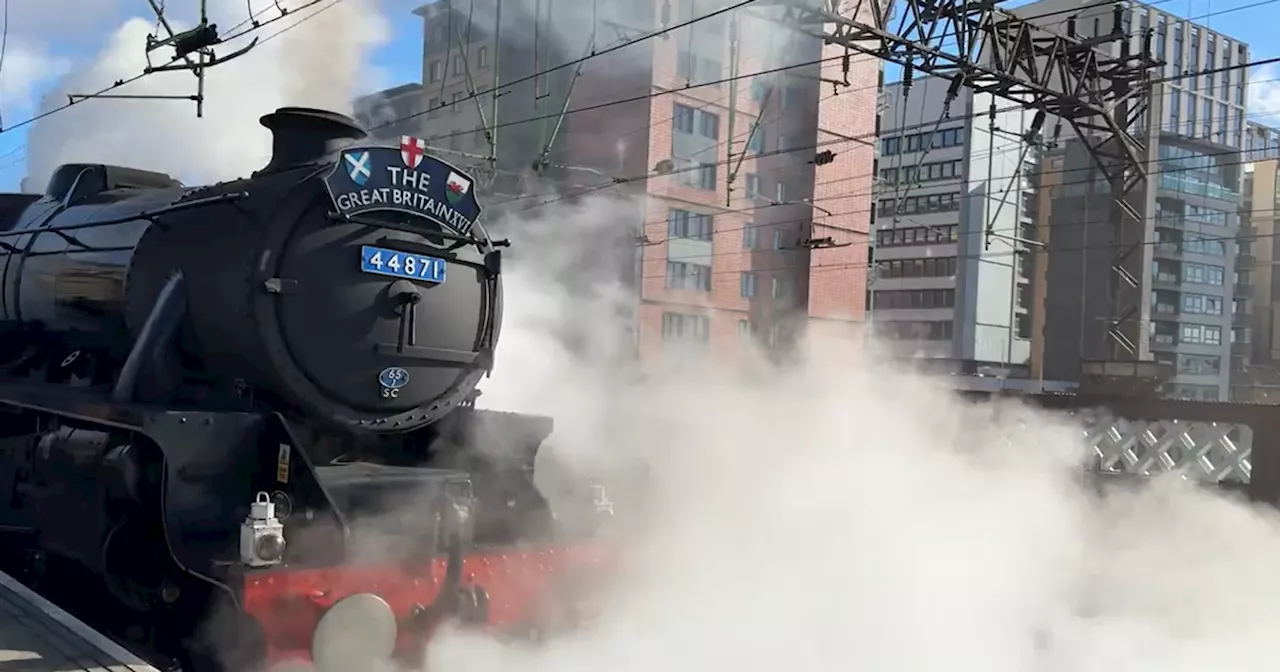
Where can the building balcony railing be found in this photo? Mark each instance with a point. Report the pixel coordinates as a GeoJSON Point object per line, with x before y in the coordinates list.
{"type": "Point", "coordinates": [1241, 319]}
{"type": "Point", "coordinates": [1243, 290]}
{"type": "Point", "coordinates": [1244, 261]}
{"type": "Point", "coordinates": [1179, 183]}
{"type": "Point", "coordinates": [1241, 348]}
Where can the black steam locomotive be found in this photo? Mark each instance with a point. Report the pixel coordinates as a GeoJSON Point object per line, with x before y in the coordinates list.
{"type": "Point", "coordinates": [248, 408]}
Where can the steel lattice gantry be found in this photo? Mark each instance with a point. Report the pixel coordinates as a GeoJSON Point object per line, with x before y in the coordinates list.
{"type": "Point", "coordinates": [991, 50]}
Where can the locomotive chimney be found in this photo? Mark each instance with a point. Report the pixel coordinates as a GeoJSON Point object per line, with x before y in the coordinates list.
{"type": "Point", "coordinates": [303, 136]}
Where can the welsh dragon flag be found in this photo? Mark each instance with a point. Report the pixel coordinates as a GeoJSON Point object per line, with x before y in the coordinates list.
{"type": "Point", "coordinates": [456, 187]}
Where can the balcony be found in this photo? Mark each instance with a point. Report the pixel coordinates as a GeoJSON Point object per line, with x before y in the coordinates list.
{"type": "Point", "coordinates": [1244, 261]}
{"type": "Point", "coordinates": [1241, 319]}
{"type": "Point", "coordinates": [1188, 185]}
{"type": "Point", "coordinates": [1241, 348]}
{"type": "Point", "coordinates": [1243, 291]}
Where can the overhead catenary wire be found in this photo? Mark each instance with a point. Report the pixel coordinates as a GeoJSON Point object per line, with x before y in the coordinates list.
{"type": "Point", "coordinates": [985, 255]}
{"type": "Point", "coordinates": [559, 196]}
{"type": "Point", "coordinates": [145, 73]}
{"type": "Point", "coordinates": [961, 197]}
{"type": "Point", "coordinates": [568, 64]}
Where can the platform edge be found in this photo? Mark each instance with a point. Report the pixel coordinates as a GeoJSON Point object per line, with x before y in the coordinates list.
{"type": "Point", "coordinates": [123, 658]}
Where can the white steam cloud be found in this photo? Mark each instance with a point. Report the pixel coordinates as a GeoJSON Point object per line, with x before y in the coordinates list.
{"type": "Point", "coordinates": [842, 515]}
{"type": "Point", "coordinates": [320, 63]}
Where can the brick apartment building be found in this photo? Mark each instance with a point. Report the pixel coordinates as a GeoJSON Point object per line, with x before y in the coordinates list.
{"type": "Point", "coordinates": [735, 240]}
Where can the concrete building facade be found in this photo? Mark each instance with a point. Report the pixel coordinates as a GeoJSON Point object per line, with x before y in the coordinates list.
{"type": "Point", "coordinates": [1256, 361]}
{"type": "Point", "coordinates": [1195, 283]}
{"type": "Point", "coordinates": [737, 230]}
{"type": "Point", "coordinates": [956, 203]}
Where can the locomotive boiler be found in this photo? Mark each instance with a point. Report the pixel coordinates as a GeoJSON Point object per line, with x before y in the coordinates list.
{"type": "Point", "coordinates": [247, 408]}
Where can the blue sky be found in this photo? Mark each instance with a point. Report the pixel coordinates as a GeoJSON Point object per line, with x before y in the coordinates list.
{"type": "Point", "coordinates": [60, 35]}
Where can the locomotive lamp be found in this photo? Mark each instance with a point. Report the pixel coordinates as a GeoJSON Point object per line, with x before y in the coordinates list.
{"type": "Point", "coordinates": [261, 534]}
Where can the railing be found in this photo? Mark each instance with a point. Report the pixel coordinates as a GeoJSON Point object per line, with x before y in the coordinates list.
{"type": "Point", "coordinates": [1189, 186]}
{"type": "Point", "coordinates": [1243, 290]}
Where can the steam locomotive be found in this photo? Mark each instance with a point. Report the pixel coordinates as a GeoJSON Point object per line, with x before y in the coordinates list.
{"type": "Point", "coordinates": [247, 409]}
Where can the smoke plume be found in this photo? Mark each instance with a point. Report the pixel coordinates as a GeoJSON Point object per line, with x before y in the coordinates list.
{"type": "Point", "coordinates": [841, 514]}
{"type": "Point", "coordinates": [318, 60]}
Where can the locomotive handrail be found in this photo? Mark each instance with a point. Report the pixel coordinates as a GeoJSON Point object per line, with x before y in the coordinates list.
{"type": "Point", "coordinates": [146, 214]}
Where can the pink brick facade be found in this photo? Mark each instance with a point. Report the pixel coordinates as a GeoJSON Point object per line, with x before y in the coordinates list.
{"type": "Point", "coordinates": [827, 286]}
{"type": "Point", "coordinates": [794, 286]}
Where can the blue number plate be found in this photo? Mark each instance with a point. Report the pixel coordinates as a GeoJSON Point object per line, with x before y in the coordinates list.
{"type": "Point", "coordinates": [382, 261]}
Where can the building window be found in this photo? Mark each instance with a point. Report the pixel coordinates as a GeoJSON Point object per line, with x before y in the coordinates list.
{"type": "Point", "coordinates": [686, 328]}
{"type": "Point", "coordinates": [1201, 304]}
{"type": "Point", "coordinates": [1210, 64]}
{"type": "Point", "coordinates": [916, 235]}
{"type": "Point", "coordinates": [777, 239]}
{"type": "Point", "coordinates": [433, 106]}
{"type": "Point", "coordinates": [1022, 326]}
{"type": "Point", "coordinates": [686, 119]}
{"type": "Point", "coordinates": [755, 144]}
{"type": "Point", "coordinates": [458, 98]}
{"type": "Point", "coordinates": [1225, 94]}
{"type": "Point", "coordinates": [698, 68]}
{"type": "Point", "coordinates": [747, 284]}
{"type": "Point", "coordinates": [906, 299]}
{"type": "Point", "coordinates": [698, 175]}
{"type": "Point", "coordinates": [1202, 274]}
{"type": "Point", "coordinates": [692, 225]}
{"type": "Point", "coordinates": [749, 236]}
{"type": "Point", "coordinates": [940, 330]}
{"type": "Point", "coordinates": [1199, 364]}
{"type": "Point", "coordinates": [919, 205]}
{"type": "Point", "coordinates": [1177, 50]}
{"type": "Point", "coordinates": [435, 71]}
{"type": "Point", "coordinates": [781, 288]}
{"type": "Point", "coordinates": [482, 57]}
{"type": "Point", "coordinates": [684, 275]}
{"type": "Point", "coordinates": [746, 330]}
{"type": "Point", "coordinates": [1201, 334]}
{"type": "Point", "coordinates": [758, 91]}
{"type": "Point", "coordinates": [753, 186]}
{"type": "Point", "coordinates": [923, 267]}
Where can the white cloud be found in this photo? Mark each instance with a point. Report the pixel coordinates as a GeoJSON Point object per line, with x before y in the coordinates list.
{"type": "Point", "coordinates": [70, 20]}
{"type": "Point", "coordinates": [320, 63]}
{"type": "Point", "coordinates": [1264, 95]}
{"type": "Point", "coordinates": [28, 66]}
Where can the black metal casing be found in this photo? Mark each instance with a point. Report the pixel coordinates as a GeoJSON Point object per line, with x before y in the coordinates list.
{"type": "Point", "coordinates": [254, 283]}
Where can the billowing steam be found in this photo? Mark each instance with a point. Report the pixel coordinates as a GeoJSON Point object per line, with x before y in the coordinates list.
{"type": "Point", "coordinates": [842, 515]}
{"type": "Point", "coordinates": [320, 63]}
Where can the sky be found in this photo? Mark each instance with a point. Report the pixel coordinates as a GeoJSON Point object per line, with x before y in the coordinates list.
{"type": "Point", "coordinates": [51, 45]}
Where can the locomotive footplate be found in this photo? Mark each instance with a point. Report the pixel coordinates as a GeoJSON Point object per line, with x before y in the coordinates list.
{"type": "Point", "coordinates": [36, 634]}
